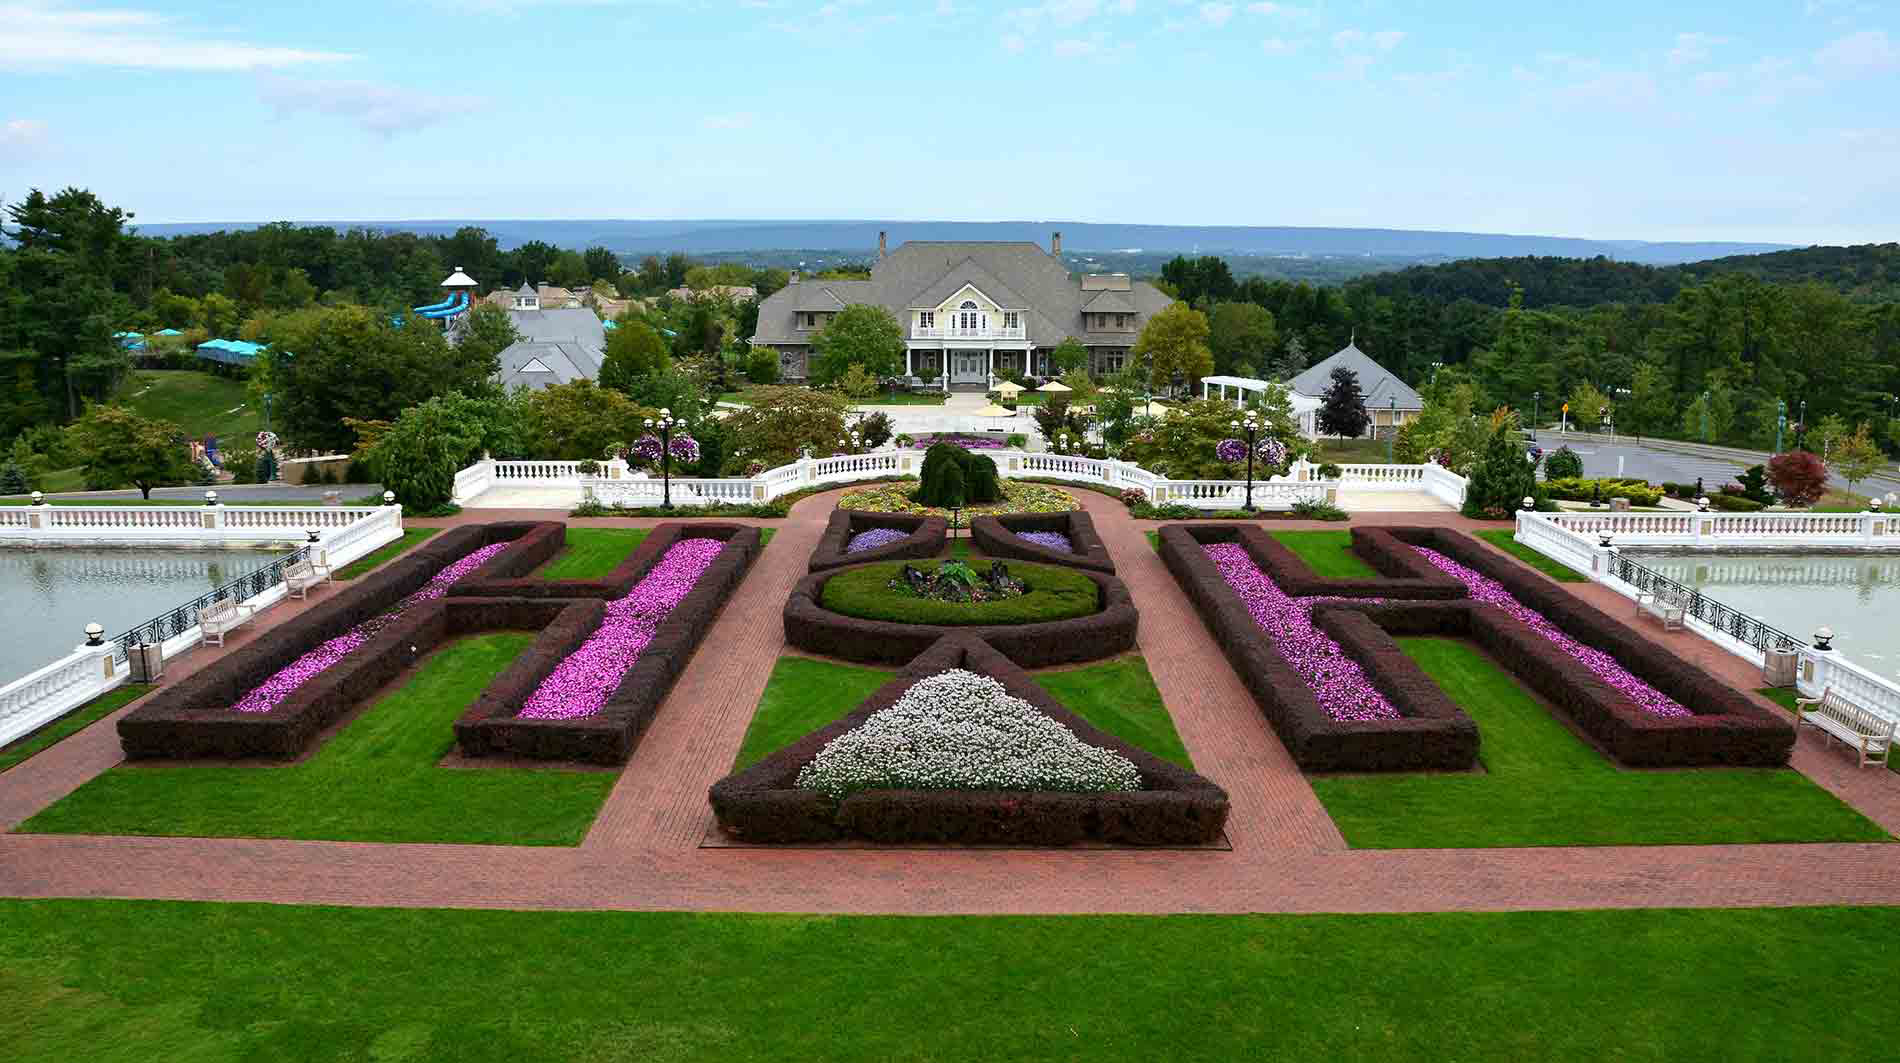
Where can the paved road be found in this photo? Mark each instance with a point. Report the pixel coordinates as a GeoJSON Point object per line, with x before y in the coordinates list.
{"type": "Point", "coordinates": [1678, 462]}
{"type": "Point", "coordinates": [235, 494]}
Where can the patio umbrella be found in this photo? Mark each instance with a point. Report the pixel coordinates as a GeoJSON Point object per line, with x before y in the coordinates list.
{"type": "Point", "coordinates": [993, 410]}
{"type": "Point", "coordinates": [1152, 409]}
{"type": "Point", "coordinates": [1008, 387]}
{"type": "Point", "coordinates": [1055, 385]}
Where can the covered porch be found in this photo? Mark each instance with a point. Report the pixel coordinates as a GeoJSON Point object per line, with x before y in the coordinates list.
{"type": "Point", "coordinates": [963, 368]}
{"type": "Point", "coordinates": [1240, 390]}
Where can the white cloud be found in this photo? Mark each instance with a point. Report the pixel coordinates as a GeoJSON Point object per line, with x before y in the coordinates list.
{"type": "Point", "coordinates": [1014, 43]}
{"type": "Point", "coordinates": [1692, 49]}
{"type": "Point", "coordinates": [40, 36]}
{"type": "Point", "coordinates": [382, 109]}
{"type": "Point", "coordinates": [1359, 49]}
{"type": "Point", "coordinates": [1075, 48]}
{"type": "Point", "coordinates": [1058, 12]}
{"type": "Point", "coordinates": [1216, 14]}
{"type": "Point", "coordinates": [1866, 52]}
{"type": "Point", "coordinates": [1286, 10]}
{"type": "Point", "coordinates": [741, 120]}
{"type": "Point", "coordinates": [1276, 46]}
{"type": "Point", "coordinates": [1715, 81]}
{"type": "Point", "coordinates": [20, 137]}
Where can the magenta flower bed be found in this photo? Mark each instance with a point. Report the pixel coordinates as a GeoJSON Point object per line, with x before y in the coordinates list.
{"type": "Point", "coordinates": [1485, 589]}
{"type": "Point", "coordinates": [1336, 680]}
{"type": "Point", "coordinates": [1052, 540]}
{"type": "Point", "coordinates": [580, 684]}
{"type": "Point", "coordinates": [274, 690]}
{"type": "Point", "coordinates": [958, 440]}
{"type": "Point", "coordinates": [876, 537]}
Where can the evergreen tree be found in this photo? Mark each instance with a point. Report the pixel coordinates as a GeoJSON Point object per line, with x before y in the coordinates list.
{"type": "Point", "coordinates": [1501, 478]}
{"type": "Point", "coordinates": [1342, 410]}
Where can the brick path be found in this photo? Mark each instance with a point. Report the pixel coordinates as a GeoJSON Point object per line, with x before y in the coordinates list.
{"type": "Point", "coordinates": [643, 849]}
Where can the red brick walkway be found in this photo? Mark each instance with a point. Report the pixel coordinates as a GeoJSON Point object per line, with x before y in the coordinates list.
{"type": "Point", "coordinates": [643, 849]}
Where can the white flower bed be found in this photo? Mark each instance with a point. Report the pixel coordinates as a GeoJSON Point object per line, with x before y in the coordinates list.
{"type": "Point", "coordinates": [957, 730]}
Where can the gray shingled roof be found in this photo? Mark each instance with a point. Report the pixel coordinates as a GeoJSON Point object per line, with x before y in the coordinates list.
{"type": "Point", "coordinates": [570, 342]}
{"type": "Point", "coordinates": [1109, 302]}
{"type": "Point", "coordinates": [1036, 280]}
{"type": "Point", "coordinates": [1377, 383]}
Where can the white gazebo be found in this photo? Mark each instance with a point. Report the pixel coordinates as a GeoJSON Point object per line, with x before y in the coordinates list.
{"type": "Point", "coordinates": [1241, 389]}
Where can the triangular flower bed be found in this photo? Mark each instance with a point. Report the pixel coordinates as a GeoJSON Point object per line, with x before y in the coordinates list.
{"type": "Point", "coordinates": [1041, 537]}
{"type": "Point", "coordinates": [509, 574]}
{"type": "Point", "coordinates": [785, 798]}
{"type": "Point", "coordinates": [855, 537]}
{"type": "Point", "coordinates": [1402, 572]}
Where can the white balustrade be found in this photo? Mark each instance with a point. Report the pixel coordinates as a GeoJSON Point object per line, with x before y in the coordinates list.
{"type": "Point", "coordinates": [183, 525]}
{"type": "Point", "coordinates": [42, 696]}
{"type": "Point", "coordinates": [1858, 531]}
{"type": "Point", "coordinates": [1818, 670]}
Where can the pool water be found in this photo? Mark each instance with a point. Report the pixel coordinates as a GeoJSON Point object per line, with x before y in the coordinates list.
{"type": "Point", "coordinates": [48, 596]}
{"type": "Point", "coordinates": [1856, 595]}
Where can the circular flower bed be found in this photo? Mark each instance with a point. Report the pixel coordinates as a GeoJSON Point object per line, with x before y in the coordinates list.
{"type": "Point", "coordinates": [1053, 593]}
{"type": "Point", "coordinates": [957, 730]}
{"type": "Point", "coordinates": [1018, 497]}
{"type": "Point", "coordinates": [876, 537]}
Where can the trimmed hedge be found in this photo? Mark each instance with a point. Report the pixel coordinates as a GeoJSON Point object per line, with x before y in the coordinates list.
{"type": "Point", "coordinates": [1111, 630]}
{"type": "Point", "coordinates": [1728, 727]}
{"type": "Point", "coordinates": [507, 574]}
{"type": "Point", "coordinates": [999, 536]}
{"type": "Point", "coordinates": [763, 804]}
{"type": "Point", "coordinates": [926, 536]}
{"type": "Point", "coordinates": [1425, 737]}
{"type": "Point", "coordinates": [1054, 593]}
{"type": "Point", "coordinates": [491, 726]}
{"type": "Point", "coordinates": [193, 717]}
{"type": "Point", "coordinates": [1408, 575]}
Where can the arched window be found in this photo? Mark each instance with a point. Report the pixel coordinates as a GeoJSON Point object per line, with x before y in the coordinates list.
{"type": "Point", "coordinates": [968, 304]}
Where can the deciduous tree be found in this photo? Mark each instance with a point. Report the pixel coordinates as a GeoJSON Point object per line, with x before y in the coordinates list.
{"type": "Point", "coordinates": [118, 446]}
{"type": "Point", "coordinates": [1174, 341]}
{"type": "Point", "coordinates": [862, 334]}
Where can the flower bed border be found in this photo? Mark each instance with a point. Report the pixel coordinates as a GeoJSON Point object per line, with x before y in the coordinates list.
{"type": "Point", "coordinates": [1427, 737]}
{"type": "Point", "coordinates": [491, 726]}
{"type": "Point", "coordinates": [762, 803]}
{"type": "Point", "coordinates": [1728, 726]}
{"type": "Point", "coordinates": [508, 574]}
{"type": "Point", "coordinates": [813, 628]}
{"type": "Point", "coordinates": [998, 536]}
{"type": "Point", "coordinates": [1403, 573]}
{"type": "Point", "coordinates": [194, 717]}
{"type": "Point", "coordinates": [925, 538]}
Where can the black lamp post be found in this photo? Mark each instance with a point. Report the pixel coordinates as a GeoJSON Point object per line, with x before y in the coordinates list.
{"type": "Point", "coordinates": [1251, 426]}
{"type": "Point", "coordinates": [665, 424]}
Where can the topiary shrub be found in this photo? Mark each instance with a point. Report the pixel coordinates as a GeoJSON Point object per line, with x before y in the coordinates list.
{"type": "Point", "coordinates": [942, 477]}
{"type": "Point", "coordinates": [981, 483]}
{"type": "Point", "coordinates": [1563, 464]}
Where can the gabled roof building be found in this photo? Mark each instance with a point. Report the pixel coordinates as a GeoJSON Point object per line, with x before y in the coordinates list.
{"type": "Point", "coordinates": [969, 309]}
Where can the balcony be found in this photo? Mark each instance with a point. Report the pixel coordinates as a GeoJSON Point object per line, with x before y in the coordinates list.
{"type": "Point", "coordinates": [945, 332]}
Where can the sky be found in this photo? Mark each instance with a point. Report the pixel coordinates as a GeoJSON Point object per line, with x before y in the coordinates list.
{"type": "Point", "coordinates": [1771, 120]}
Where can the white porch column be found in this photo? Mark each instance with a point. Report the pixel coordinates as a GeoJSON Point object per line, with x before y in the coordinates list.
{"type": "Point", "coordinates": [989, 369]}
{"type": "Point", "coordinates": [907, 354]}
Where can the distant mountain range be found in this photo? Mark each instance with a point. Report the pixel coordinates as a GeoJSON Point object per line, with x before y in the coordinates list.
{"type": "Point", "coordinates": [859, 239]}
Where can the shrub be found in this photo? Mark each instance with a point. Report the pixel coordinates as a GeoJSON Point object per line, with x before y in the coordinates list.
{"type": "Point", "coordinates": [1330, 471]}
{"type": "Point", "coordinates": [1734, 503]}
{"type": "Point", "coordinates": [1574, 490]}
{"type": "Point", "coordinates": [1134, 496]}
{"type": "Point", "coordinates": [1053, 594]}
{"type": "Point", "coordinates": [13, 479]}
{"type": "Point", "coordinates": [1501, 478]}
{"type": "Point", "coordinates": [875, 430]}
{"type": "Point", "coordinates": [1016, 440]}
{"type": "Point", "coordinates": [761, 366]}
{"type": "Point", "coordinates": [1318, 510]}
{"type": "Point", "coordinates": [1799, 476]}
{"type": "Point", "coordinates": [587, 467]}
{"type": "Point", "coordinates": [1684, 491]}
{"type": "Point", "coordinates": [1563, 464]}
{"type": "Point", "coordinates": [1755, 485]}
{"type": "Point", "coordinates": [954, 478]}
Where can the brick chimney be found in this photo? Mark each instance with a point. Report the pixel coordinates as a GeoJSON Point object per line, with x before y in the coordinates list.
{"type": "Point", "coordinates": [1055, 245]}
{"type": "Point", "coordinates": [880, 245]}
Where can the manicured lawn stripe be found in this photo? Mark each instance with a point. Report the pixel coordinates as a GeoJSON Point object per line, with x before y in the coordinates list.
{"type": "Point", "coordinates": [1120, 697]}
{"type": "Point", "coordinates": [376, 781]}
{"type": "Point", "coordinates": [1328, 552]}
{"type": "Point", "coordinates": [411, 538]}
{"type": "Point", "coordinates": [71, 723]}
{"type": "Point", "coordinates": [1503, 540]}
{"type": "Point", "coordinates": [131, 981]}
{"type": "Point", "coordinates": [591, 553]}
{"type": "Point", "coordinates": [1055, 593]}
{"type": "Point", "coordinates": [803, 694]}
{"type": "Point", "coordinates": [1544, 786]}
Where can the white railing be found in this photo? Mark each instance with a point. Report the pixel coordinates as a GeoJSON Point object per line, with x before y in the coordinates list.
{"type": "Point", "coordinates": [40, 697]}
{"type": "Point", "coordinates": [51, 525]}
{"type": "Point", "coordinates": [945, 332]}
{"type": "Point", "coordinates": [527, 473]}
{"type": "Point", "coordinates": [1818, 670]}
{"type": "Point", "coordinates": [1857, 531]}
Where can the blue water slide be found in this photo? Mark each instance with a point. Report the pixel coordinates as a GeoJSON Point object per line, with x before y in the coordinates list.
{"type": "Point", "coordinates": [443, 305]}
{"type": "Point", "coordinates": [455, 305]}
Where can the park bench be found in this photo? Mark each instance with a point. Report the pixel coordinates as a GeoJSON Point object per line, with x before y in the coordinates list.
{"type": "Point", "coordinates": [1870, 733]}
{"type": "Point", "coordinates": [1663, 607]}
{"type": "Point", "coordinates": [221, 616]}
{"type": "Point", "coordinates": [300, 576]}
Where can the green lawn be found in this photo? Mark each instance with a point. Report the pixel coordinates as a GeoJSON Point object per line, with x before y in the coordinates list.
{"type": "Point", "coordinates": [376, 781]}
{"type": "Point", "coordinates": [71, 723]}
{"type": "Point", "coordinates": [1349, 452]}
{"type": "Point", "coordinates": [1544, 786]}
{"type": "Point", "coordinates": [110, 981]}
{"type": "Point", "coordinates": [1504, 539]}
{"type": "Point", "coordinates": [591, 553]}
{"type": "Point", "coordinates": [411, 537]}
{"type": "Point", "coordinates": [1329, 553]}
{"type": "Point", "coordinates": [905, 398]}
{"type": "Point", "coordinates": [1055, 593]}
{"type": "Point", "coordinates": [803, 695]}
{"type": "Point", "coordinates": [203, 404]}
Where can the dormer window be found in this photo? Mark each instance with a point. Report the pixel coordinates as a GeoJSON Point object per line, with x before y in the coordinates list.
{"type": "Point", "coordinates": [968, 304]}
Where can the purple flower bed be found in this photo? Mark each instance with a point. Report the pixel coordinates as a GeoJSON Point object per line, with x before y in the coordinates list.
{"type": "Point", "coordinates": [1052, 540]}
{"type": "Point", "coordinates": [274, 690]}
{"type": "Point", "coordinates": [1336, 680]}
{"type": "Point", "coordinates": [1485, 589]}
{"type": "Point", "coordinates": [876, 537]}
{"type": "Point", "coordinates": [959, 440]}
{"type": "Point", "coordinates": [581, 683]}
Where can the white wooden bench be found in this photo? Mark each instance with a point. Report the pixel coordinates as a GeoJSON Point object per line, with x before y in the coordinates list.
{"type": "Point", "coordinates": [300, 576]}
{"type": "Point", "coordinates": [1668, 610]}
{"type": "Point", "coordinates": [1870, 733]}
{"type": "Point", "coordinates": [221, 616]}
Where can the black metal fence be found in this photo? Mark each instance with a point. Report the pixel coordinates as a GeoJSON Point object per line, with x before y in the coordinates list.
{"type": "Point", "coordinates": [1739, 626]}
{"type": "Point", "coordinates": [177, 621]}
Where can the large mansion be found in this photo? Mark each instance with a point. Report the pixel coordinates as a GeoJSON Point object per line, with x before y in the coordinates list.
{"type": "Point", "coordinates": [969, 310]}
